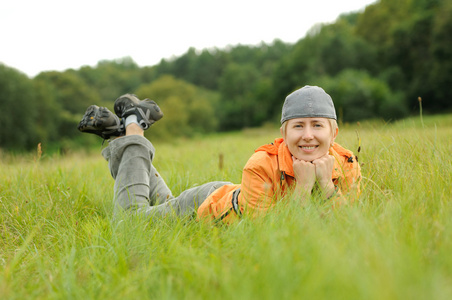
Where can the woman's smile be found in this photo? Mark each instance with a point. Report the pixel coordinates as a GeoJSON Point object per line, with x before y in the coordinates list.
{"type": "Point", "coordinates": [308, 148]}
{"type": "Point", "coordinates": [308, 138]}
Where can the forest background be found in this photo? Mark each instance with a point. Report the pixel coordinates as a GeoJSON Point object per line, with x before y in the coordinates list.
{"type": "Point", "coordinates": [375, 64]}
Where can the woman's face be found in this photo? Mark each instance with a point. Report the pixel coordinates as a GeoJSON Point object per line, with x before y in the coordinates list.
{"type": "Point", "coordinates": [308, 138]}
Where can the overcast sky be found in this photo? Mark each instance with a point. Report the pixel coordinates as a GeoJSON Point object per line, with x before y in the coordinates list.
{"type": "Point", "coordinates": [42, 35]}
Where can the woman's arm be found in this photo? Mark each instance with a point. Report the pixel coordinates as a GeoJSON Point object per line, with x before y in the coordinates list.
{"type": "Point", "coordinates": [323, 170]}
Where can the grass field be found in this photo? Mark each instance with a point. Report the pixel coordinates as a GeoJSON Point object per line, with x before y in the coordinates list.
{"type": "Point", "coordinates": [58, 239]}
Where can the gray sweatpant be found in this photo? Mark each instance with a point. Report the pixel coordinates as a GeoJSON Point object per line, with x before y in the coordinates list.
{"type": "Point", "coordinates": [140, 189]}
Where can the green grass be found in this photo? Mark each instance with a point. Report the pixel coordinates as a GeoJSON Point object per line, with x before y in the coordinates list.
{"type": "Point", "coordinates": [58, 239]}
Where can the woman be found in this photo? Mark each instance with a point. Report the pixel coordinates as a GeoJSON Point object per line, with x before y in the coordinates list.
{"type": "Point", "coordinates": [305, 161]}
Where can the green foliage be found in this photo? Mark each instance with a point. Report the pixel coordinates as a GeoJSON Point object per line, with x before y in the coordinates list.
{"type": "Point", "coordinates": [187, 109]}
{"type": "Point", "coordinates": [49, 111]}
{"type": "Point", "coordinates": [326, 50]}
{"type": "Point", "coordinates": [110, 79]}
{"type": "Point", "coordinates": [59, 240]}
{"type": "Point", "coordinates": [18, 110]}
{"type": "Point", "coordinates": [240, 106]}
{"type": "Point", "coordinates": [207, 68]}
{"type": "Point", "coordinates": [359, 96]}
{"type": "Point", "coordinates": [439, 79]}
{"type": "Point", "coordinates": [376, 23]}
{"type": "Point", "coordinates": [72, 95]}
{"type": "Point", "coordinates": [202, 68]}
{"type": "Point", "coordinates": [412, 36]}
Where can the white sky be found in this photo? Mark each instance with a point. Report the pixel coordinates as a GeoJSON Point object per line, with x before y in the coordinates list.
{"type": "Point", "coordinates": [42, 35]}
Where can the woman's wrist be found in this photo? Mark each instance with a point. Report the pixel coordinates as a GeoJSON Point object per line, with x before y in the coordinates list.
{"type": "Point", "coordinates": [330, 190]}
{"type": "Point", "coordinates": [335, 193]}
{"type": "Point", "coordinates": [303, 191]}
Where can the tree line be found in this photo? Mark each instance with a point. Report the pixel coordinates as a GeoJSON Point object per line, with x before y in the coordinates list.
{"type": "Point", "coordinates": [375, 64]}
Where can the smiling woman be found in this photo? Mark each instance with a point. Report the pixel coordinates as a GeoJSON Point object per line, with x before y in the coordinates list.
{"type": "Point", "coordinates": [305, 162]}
{"type": "Point", "coordinates": [309, 138]}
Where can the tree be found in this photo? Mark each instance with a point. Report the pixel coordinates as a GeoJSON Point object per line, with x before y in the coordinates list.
{"type": "Point", "coordinates": [73, 96]}
{"type": "Point", "coordinates": [359, 96]}
{"type": "Point", "coordinates": [19, 110]}
{"type": "Point", "coordinates": [439, 73]}
{"type": "Point", "coordinates": [187, 109]}
{"type": "Point", "coordinates": [208, 68]}
{"type": "Point", "coordinates": [48, 110]}
{"type": "Point", "coordinates": [327, 50]}
{"type": "Point", "coordinates": [112, 78]}
{"type": "Point", "coordinates": [183, 65]}
{"type": "Point", "coordinates": [239, 106]}
{"type": "Point", "coordinates": [412, 38]}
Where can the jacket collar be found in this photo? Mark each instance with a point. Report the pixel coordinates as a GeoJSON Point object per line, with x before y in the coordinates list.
{"type": "Point", "coordinates": [285, 162]}
{"type": "Point", "coordinates": [279, 148]}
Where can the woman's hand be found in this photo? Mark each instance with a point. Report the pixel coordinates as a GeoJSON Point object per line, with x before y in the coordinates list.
{"type": "Point", "coordinates": [305, 175]}
{"type": "Point", "coordinates": [323, 170]}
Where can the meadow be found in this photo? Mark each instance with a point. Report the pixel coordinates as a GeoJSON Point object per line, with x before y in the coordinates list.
{"type": "Point", "coordinates": [59, 240]}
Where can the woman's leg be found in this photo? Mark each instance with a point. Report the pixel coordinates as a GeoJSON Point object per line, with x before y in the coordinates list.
{"type": "Point", "coordinates": [187, 203]}
{"type": "Point", "coordinates": [138, 185]}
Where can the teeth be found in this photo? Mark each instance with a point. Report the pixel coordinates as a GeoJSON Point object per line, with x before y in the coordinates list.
{"type": "Point", "coordinates": [308, 147]}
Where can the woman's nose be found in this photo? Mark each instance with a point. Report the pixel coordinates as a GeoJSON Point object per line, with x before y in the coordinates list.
{"type": "Point", "coordinates": [307, 134]}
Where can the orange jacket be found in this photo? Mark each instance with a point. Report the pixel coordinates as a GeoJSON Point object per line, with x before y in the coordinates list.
{"type": "Point", "coordinates": [267, 176]}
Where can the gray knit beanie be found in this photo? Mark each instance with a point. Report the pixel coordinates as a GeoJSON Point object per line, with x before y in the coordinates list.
{"type": "Point", "coordinates": [307, 102]}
